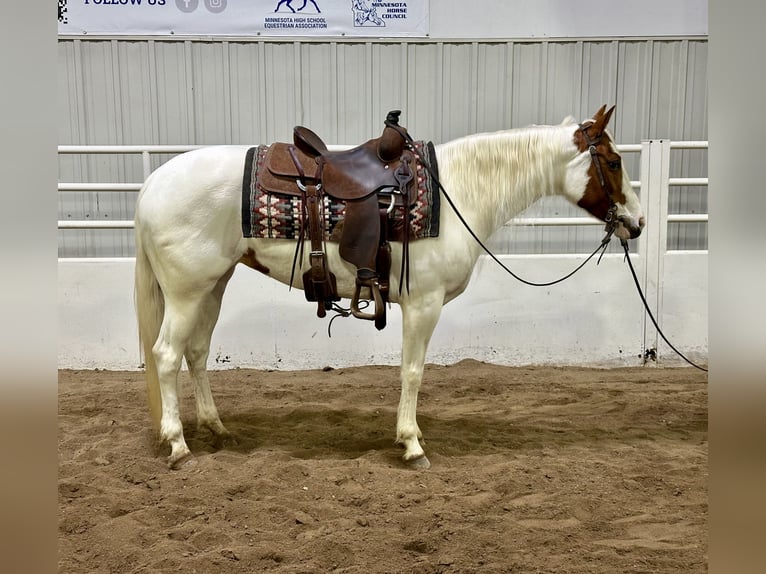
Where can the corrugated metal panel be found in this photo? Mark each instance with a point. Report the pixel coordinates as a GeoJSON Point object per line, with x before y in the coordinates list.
{"type": "Point", "coordinates": [458, 66]}
{"type": "Point", "coordinates": [527, 86]}
{"type": "Point", "coordinates": [212, 92]}
{"type": "Point", "coordinates": [317, 84]}
{"type": "Point", "coordinates": [600, 66]}
{"type": "Point", "coordinates": [71, 168]}
{"type": "Point", "coordinates": [563, 81]}
{"type": "Point", "coordinates": [691, 163]}
{"type": "Point", "coordinates": [111, 104]}
{"type": "Point", "coordinates": [246, 73]}
{"type": "Point", "coordinates": [354, 108]}
{"type": "Point", "coordinates": [425, 91]}
{"type": "Point", "coordinates": [493, 82]}
{"type": "Point", "coordinates": [389, 77]}
{"type": "Point", "coordinates": [174, 93]}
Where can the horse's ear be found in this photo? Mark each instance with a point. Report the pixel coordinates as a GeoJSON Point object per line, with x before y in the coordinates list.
{"type": "Point", "coordinates": [601, 118]}
{"type": "Point", "coordinates": [597, 116]}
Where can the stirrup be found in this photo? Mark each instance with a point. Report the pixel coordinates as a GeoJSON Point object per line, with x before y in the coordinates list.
{"type": "Point", "coordinates": [379, 316]}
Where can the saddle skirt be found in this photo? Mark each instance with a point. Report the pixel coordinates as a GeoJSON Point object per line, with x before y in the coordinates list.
{"type": "Point", "coordinates": [272, 202]}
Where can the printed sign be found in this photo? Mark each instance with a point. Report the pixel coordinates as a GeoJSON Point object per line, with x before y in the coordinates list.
{"type": "Point", "coordinates": [379, 18]}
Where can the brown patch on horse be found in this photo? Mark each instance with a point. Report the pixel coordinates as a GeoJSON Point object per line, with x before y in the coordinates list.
{"type": "Point", "coordinates": [596, 199]}
{"type": "Point", "coordinates": [250, 260]}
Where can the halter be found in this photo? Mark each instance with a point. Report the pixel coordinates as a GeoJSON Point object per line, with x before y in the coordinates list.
{"type": "Point", "coordinates": [609, 219]}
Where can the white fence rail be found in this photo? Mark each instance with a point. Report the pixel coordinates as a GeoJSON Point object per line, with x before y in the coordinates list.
{"type": "Point", "coordinates": [609, 332]}
{"type": "Point", "coordinates": [148, 150]}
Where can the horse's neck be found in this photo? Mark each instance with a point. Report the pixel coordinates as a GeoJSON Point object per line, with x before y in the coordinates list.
{"type": "Point", "coordinates": [493, 177]}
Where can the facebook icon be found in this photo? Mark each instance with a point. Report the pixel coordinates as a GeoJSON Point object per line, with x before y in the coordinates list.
{"type": "Point", "coordinates": [187, 5]}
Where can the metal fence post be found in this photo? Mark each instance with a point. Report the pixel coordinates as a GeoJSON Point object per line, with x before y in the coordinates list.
{"type": "Point", "coordinates": [146, 160]}
{"type": "Point", "coordinates": [655, 175]}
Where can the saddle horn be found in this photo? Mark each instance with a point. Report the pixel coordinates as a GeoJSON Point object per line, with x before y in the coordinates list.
{"type": "Point", "coordinates": [392, 141]}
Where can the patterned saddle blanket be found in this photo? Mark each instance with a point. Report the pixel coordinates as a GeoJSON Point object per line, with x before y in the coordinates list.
{"type": "Point", "coordinates": [278, 216]}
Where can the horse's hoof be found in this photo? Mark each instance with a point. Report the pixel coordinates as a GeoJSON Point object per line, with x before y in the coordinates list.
{"type": "Point", "coordinates": [184, 461]}
{"type": "Point", "coordinates": [224, 440]}
{"type": "Point", "coordinates": [419, 463]}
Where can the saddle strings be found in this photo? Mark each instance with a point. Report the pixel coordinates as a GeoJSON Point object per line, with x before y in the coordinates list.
{"type": "Point", "coordinates": [301, 183]}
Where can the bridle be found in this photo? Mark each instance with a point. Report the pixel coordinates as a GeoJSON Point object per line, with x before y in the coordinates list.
{"type": "Point", "coordinates": [609, 219]}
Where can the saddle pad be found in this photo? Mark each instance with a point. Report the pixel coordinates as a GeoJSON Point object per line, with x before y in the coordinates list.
{"type": "Point", "coordinates": [278, 216]}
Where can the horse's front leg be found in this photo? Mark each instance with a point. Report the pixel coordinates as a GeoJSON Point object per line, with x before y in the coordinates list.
{"type": "Point", "coordinates": [419, 318]}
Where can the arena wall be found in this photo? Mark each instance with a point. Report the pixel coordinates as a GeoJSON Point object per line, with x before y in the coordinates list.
{"type": "Point", "coordinates": [501, 65]}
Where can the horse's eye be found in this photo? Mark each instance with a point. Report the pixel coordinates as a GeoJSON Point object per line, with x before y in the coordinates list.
{"type": "Point", "coordinates": [614, 165]}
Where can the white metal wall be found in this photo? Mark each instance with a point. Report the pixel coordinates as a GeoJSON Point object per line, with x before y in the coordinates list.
{"type": "Point", "coordinates": [205, 91]}
{"type": "Point", "coordinates": [194, 91]}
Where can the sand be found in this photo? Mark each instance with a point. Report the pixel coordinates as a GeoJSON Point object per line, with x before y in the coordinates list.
{"type": "Point", "coordinates": [534, 470]}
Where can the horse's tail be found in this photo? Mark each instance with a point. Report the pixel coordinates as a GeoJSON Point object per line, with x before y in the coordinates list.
{"type": "Point", "coordinates": [150, 305]}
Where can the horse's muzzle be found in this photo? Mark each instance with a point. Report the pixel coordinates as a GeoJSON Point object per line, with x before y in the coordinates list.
{"type": "Point", "coordinates": [628, 227]}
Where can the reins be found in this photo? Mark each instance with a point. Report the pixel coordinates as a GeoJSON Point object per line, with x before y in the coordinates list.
{"type": "Point", "coordinates": [609, 229]}
{"type": "Point", "coordinates": [610, 225]}
{"type": "Point", "coordinates": [649, 312]}
{"type": "Point", "coordinates": [602, 247]}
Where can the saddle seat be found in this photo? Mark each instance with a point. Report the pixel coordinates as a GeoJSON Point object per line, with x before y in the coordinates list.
{"type": "Point", "coordinates": [373, 179]}
{"type": "Point", "coordinates": [389, 146]}
{"type": "Point", "coordinates": [351, 174]}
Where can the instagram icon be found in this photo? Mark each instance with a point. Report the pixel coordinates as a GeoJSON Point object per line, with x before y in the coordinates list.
{"type": "Point", "coordinates": [215, 6]}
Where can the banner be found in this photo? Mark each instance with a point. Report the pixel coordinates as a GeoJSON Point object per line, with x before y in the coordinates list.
{"type": "Point", "coordinates": [378, 18]}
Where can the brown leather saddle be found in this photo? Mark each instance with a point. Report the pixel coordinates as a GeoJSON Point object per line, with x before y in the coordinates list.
{"type": "Point", "coordinates": [374, 180]}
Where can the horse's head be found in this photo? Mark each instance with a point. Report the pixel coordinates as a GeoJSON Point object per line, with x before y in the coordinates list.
{"type": "Point", "coordinates": [607, 193]}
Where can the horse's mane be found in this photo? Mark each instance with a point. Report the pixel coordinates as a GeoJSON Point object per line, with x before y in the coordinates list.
{"type": "Point", "coordinates": [515, 167]}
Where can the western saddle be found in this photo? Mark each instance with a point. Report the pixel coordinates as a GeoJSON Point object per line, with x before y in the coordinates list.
{"type": "Point", "coordinates": [373, 179]}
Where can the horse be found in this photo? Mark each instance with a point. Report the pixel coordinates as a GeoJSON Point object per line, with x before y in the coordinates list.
{"type": "Point", "coordinates": [189, 239]}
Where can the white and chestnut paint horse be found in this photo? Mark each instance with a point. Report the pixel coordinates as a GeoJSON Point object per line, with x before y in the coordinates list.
{"type": "Point", "coordinates": [189, 239]}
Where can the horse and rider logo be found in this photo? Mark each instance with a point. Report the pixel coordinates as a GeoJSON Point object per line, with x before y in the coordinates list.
{"type": "Point", "coordinates": [289, 4]}
{"type": "Point", "coordinates": [365, 14]}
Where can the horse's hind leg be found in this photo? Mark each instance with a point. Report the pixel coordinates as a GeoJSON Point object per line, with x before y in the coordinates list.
{"type": "Point", "coordinates": [180, 319]}
{"type": "Point", "coordinates": [197, 353]}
